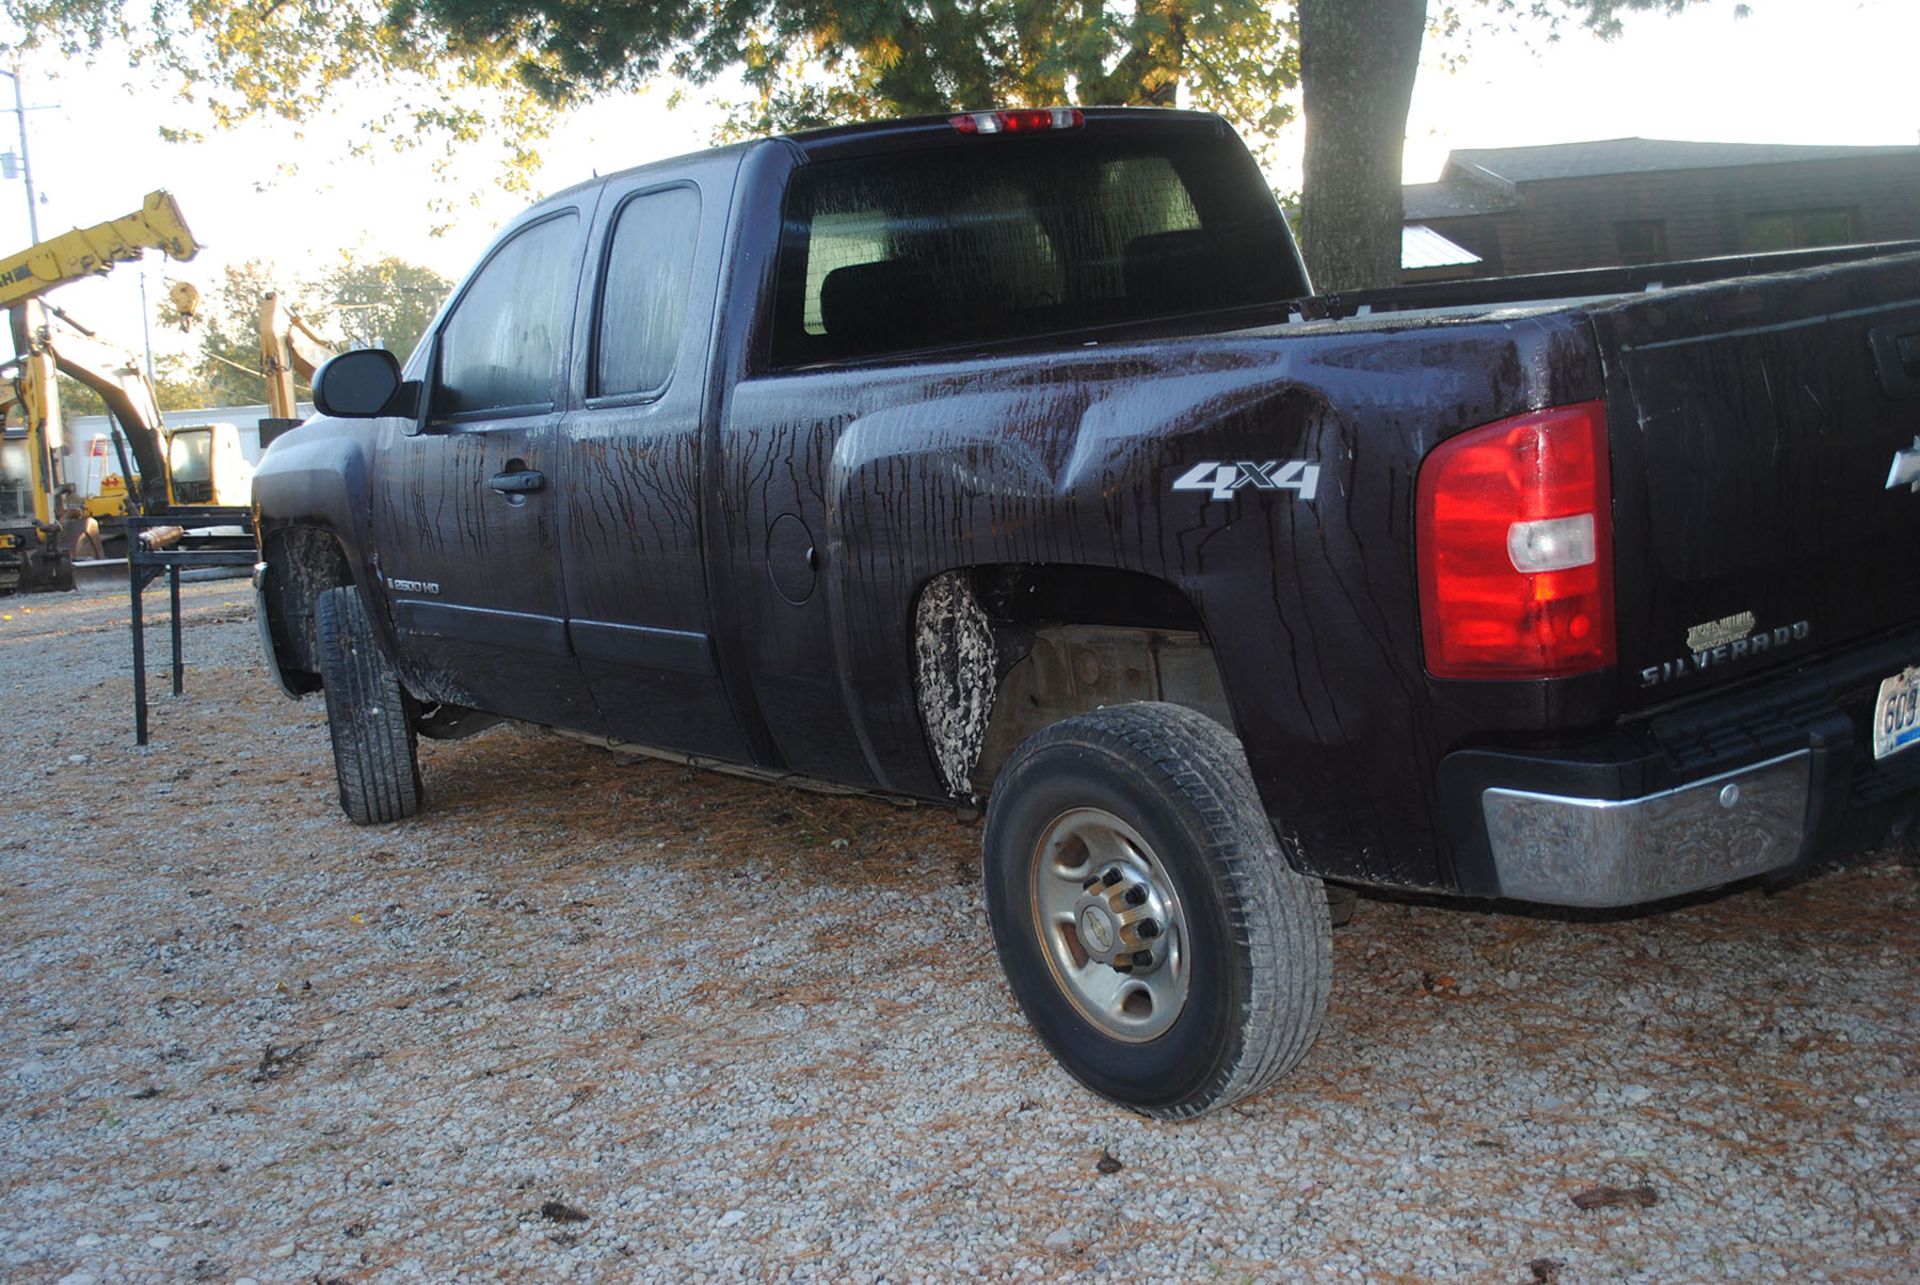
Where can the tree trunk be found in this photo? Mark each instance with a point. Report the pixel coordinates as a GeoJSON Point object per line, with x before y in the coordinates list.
{"type": "Point", "coordinates": [1357, 64]}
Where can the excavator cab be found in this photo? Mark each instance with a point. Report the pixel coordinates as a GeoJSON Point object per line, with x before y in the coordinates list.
{"type": "Point", "coordinates": [190, 462]}
{"type": "Point", "coordinates": [31, 553]}
{"type": "Point", "coordinates": [207, 464]}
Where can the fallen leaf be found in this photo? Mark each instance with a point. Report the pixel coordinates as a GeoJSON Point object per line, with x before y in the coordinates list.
{"type": "Point", "coordinates": [1107, 1163]}
{"type": "Point", "coordinates": [1640, 1197]}
{"type": "Point", "coordinates": [276, 1061]}
{"type": "Point", "coordinates": [555, 1211]}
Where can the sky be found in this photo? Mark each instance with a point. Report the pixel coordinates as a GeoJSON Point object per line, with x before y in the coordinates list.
{"type": "Point", "coordinates": [1794, 71]}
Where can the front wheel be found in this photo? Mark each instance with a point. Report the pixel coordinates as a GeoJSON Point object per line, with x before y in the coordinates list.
{"type": "Point", "coordinates": [1149, 925]}
{"type": "Point", "coordinates": [375, 754]}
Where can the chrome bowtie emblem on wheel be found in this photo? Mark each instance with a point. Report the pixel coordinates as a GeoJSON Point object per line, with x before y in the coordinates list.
{"type": "Point", "coordinates": [1906, 467]}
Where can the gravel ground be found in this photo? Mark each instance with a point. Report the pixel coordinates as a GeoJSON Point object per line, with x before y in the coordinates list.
{"type": "Point", "coordinates": [607, 1020]}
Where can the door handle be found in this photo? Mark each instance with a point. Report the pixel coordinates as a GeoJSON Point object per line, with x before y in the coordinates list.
{"type": "Point", "coordinates": [1896, 355]}
{"type": "Point", "coordinates": [518, 482]}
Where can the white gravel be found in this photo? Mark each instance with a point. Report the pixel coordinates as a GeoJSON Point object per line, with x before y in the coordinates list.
{"type": "Point", "coordinates": [609, 1021]}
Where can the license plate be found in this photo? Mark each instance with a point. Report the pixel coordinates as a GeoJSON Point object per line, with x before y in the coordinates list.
{"type": "Point", "coordinates": [1896, 714]}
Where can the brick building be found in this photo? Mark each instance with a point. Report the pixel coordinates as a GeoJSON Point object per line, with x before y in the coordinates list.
{"type": "Point", "coordinates": [1515, 210]}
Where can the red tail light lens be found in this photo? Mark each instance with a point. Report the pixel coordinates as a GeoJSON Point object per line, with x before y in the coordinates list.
{"type": "Point", "coordinates": [1020, 120]}
{"type": "Point", "coordinates": [1514, 536]}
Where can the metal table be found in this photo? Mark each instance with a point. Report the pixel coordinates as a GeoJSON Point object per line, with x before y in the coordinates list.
{"type": "Point", "coordinates": [145, 565]}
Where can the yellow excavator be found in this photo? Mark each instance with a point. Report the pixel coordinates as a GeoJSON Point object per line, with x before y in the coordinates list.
{"type": "Point", "coordinates": [34, 498]}
{"type": "Point", "coordinates": [288, 347]}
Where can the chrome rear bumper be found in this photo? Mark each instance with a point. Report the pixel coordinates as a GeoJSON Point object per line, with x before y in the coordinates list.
{"type": "Point", "coordinates": [1620, 852]}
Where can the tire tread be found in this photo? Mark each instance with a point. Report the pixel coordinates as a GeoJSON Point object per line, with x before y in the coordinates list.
{"type": "Point", "coordinates": [375, 752]}
{"type": "Point", "coordinates": [1278, 916]}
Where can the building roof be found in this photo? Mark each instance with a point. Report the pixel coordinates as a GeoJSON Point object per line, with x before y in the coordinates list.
{"type": "Point", "coordinates": [1510, 165]}
{"type": "Point", "coordinates": [1455, 198]}
{"type": "Point", "coordinates": [81, 428]}
{"type": "Point", "coordinates": [1422, 247]}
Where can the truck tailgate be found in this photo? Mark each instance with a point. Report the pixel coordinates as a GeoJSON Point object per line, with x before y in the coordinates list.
{"type": "Point", "coordinates": [1765, 433]}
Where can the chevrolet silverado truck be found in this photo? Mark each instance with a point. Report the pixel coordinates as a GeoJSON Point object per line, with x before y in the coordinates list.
{"type": "Point", "coordinates": [1010, 456]}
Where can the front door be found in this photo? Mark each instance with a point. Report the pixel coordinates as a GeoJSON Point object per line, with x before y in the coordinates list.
{"type": "Point", "coordinates": [466, 510]}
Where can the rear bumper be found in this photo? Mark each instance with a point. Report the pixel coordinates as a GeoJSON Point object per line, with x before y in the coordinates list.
{"type": "Point", "coordinates": [1572, 851]}
{"type": "Point", "coordinates": [1752, 783]}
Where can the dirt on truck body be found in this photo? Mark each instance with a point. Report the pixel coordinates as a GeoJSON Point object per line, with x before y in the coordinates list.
{"type": "Point", "coordinates": [1010, 456]}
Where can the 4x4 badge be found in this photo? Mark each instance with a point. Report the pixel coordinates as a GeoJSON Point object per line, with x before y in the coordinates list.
{"type": "Point", "coordinates": [1906, 467]}
{"type": "Point", "coordinates": [1222, 480]}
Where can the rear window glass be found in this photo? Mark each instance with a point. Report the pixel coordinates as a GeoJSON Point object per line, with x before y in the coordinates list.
{"type": "Point", "coordinates": [1004, 238]}
{"type": "Point", "coordinates": [643, 309]}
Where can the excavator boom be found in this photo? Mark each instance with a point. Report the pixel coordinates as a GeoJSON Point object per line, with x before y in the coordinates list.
{"type": "Point", "coordinates": [84, 252]}
{"type": "Point", "coordinates": [50, 335]}
{"type": "Point", "coordinates": [288, 347]}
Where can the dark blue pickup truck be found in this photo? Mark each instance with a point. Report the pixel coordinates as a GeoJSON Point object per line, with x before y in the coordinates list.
{"type": "Point", "coordinates": [1011, 456]}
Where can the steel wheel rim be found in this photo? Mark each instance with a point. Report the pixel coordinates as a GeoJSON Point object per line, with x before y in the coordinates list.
{"type": "Point", "coordinates": [1117, 948]}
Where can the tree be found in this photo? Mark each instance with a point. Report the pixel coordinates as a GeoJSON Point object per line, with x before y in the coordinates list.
{"type": "Point", "coordinates": [175, 386]}
{"type": "Point", "coordinates": [466, 72]}
{"type": "Point", "coordinates": [1358, 61]}
{"type": "Point", "coordinates": [386, 302]}
{"type": "Point", "coordinates": [813, 62]}
{"type": "Point", "coordinates": [499, 69]}
{"type": "Point", "coordinates": [235, 61]}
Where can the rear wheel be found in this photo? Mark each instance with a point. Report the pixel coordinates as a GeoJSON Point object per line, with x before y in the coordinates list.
{"type": "Point", "coordinates": [1147, 921]}
{"type": "Point", "coordinates": [375, 755]}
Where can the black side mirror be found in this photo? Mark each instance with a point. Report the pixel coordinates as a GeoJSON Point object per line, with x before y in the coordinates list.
{"type": "Point", "coordinates": [361, 385]}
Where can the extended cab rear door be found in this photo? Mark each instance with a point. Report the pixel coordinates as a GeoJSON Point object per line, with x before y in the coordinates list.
{"type": "Point", "coordinates": [464, 511]}
{"type": "Point", "coordinates": [641, 618]}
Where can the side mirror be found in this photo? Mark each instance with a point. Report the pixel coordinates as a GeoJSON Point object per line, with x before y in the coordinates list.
{"type": "Point", "coordinates": [361, 385]}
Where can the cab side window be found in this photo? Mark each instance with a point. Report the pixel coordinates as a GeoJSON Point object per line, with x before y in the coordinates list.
{"type": "Point", "coordinates": [500, 351]}
{"type": "Point", "coordinates": [643, 304]}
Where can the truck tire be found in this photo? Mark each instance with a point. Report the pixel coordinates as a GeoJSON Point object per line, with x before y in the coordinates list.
{"type": "Point", "coordinates": [375, 754]}
{"type": "Point", "coordinates": [1149, 925]}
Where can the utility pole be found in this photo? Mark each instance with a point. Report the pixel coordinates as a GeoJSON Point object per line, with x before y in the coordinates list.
{"type": "Point", "coordinates": [146, 334]}
{"type": "Point", "coordinates": [26, 169]}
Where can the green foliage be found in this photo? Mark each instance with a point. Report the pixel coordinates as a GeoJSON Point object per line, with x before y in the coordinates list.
{"type": "Point", "coordinates": [813, 64]}
{"type": "Point", "coordinates": [234, 61]}
{"type": "Point", "coordinates": [385, 302]}
{"type": "Point", "coordinates": [455, 74]}
{"type": "Point", "coordinates": [77, 399]}
{"type": "Point", "coordinates": [176, 385]}
{"type": "Point", "coordinates": [1454, 24]}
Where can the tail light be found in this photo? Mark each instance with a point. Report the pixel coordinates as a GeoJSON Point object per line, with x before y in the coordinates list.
{"type": "Point", "coordinates": [1514, 536]}
{"type": "Point", "coordinates": [1020, 120]}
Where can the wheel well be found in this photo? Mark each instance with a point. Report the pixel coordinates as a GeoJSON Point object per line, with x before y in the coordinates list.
{"type": "Point", "coordinates": [303, 563]}
{"type": "Point", "coordinates": [1003, 651]}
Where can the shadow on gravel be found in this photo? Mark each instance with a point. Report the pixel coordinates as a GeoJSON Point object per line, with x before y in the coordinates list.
{"type": "Point", "coordinates": [607, 803]}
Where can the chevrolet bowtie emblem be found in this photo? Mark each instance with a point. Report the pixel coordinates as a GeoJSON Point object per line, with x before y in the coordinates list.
{"type": "Point", "coordinates": [1906, 467]}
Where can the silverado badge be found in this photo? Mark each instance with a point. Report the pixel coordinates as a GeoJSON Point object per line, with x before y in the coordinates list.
{"type": "Point", "coordinates": [1721, 642]}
